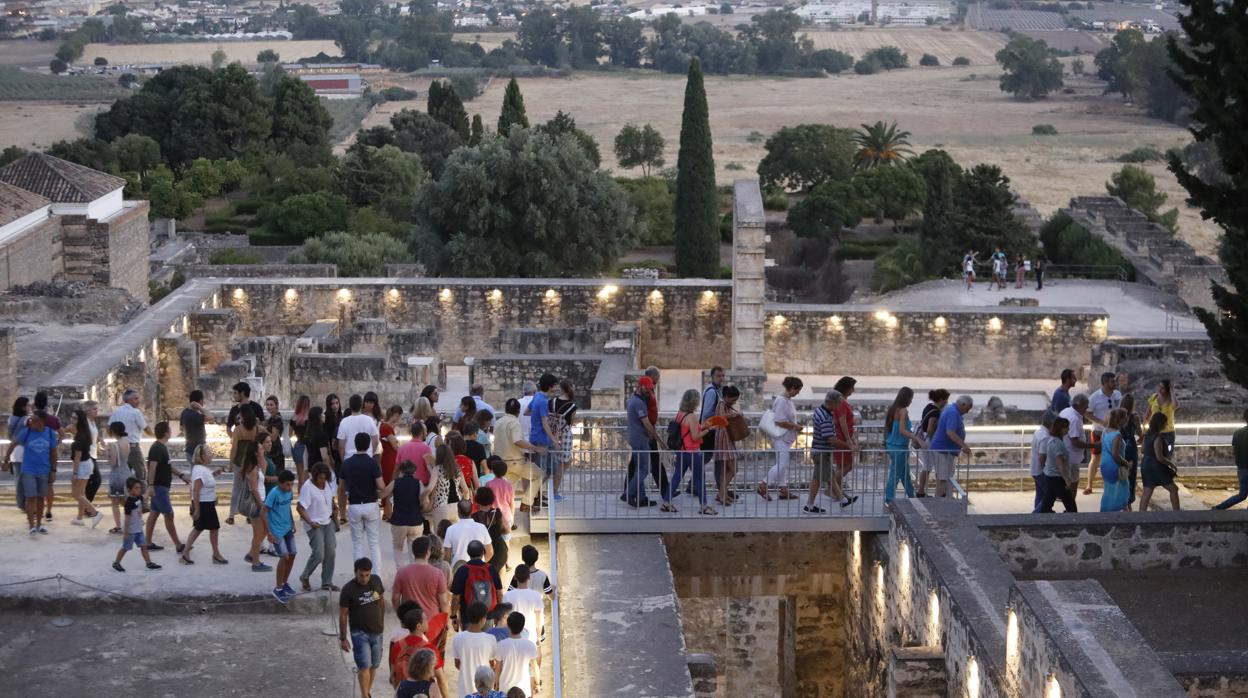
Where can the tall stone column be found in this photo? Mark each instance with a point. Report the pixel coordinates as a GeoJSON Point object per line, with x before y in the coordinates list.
{"type": "Point", "coordinates": [749, 280]}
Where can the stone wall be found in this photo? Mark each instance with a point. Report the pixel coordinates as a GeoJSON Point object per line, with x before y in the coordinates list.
{"type": "Point", "coordinates": [110, 252]}
{"type": "Point", "coordinates": [681, 323]}
{"type": "Point", "coordinates": [345, 374]}
{"type": "Point", "coordinates": [8, 365]}
{"type": "Point", "coordinates": [503, 375]}
{"type": "Point", "coordinates": [1003, 342]}
{"type": "Point", "coordinates": [34, 255]}
{"type": "Point", "coordinates": [254, 271]}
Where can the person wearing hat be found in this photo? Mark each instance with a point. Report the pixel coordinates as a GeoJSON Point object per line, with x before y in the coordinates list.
{"type": "Point", "coordinates": [641, 437]}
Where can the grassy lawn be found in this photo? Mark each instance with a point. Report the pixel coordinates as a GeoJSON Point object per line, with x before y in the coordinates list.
{"type": "Point", "coordinates": [348, 114]}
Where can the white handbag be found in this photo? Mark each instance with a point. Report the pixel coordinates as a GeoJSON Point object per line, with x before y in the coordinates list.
{"type": "Point", "coordinates": [767, 423]}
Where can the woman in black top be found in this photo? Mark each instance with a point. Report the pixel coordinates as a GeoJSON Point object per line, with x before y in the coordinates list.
{"type": "Point", "coordinates": [407, 520]}
{"type": "Point", "coordinates": [316, 439]}
{"type": "Point", "coordinates": [927, 425]}
{"type": "Point", "coordinates": [564, 410]}
{"type": "Point", "coordinates": [489, 516]}
{"type": "Point", "coordinates": [333, 415]}
{"type": "Point", "coordinates": [298, 424]}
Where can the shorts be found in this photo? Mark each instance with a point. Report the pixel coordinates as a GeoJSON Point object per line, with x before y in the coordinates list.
{"type": "Point", "coordinates": [927, 464]}
{"type": "Point", "coordinates": [843, 459]}
{"type": "Point", "coordinates": [285, 546]}
{"type": "Point", "coordinates": [84, 469]}
{"type": "Point", "coordinates": [1096, 442]}
{"type": "Point", "coordinates": [943, 464]}
{"type": "Point", "coordinates": [160, 500]}
{"type": "Point", "coordinates": [118, 492]}
{"type": "Point", "coordinates": [366, 648]}
{"type": "Point", "coordinates": [137, 463]}
{"type": "Point", "coordinates": [208, 520]}
{"type": "Point", "coordinates": [132, 539]}
{"type": "Point", "coordinates": [34, 485]}
{"type": "Point", "coordinates": [823, 465]}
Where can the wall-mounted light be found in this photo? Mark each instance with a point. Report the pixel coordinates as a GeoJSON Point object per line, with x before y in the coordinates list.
{"type": "Point", "coordinates": [656, 295]}
{"type": "Point", "coordinates": [552, 294]}
{"type": "Point", "coordinates": [155, 347]}
{"type": "Point", "coordinates": [496, 295]}
{"type": "Point", "coordinates": [142, 355]}
{"type": "Point", "coordinates": [882, 315]}
{"type": "Point", "coordinates": [778, 320]}
{"type": "Point", "coordinates": [291, 295]}
{"type": "Point", "coordinates": [891, 322]}
{"type": "Point", "coordinates": [239, 294]}
{"type": "Point", "coordinates": [972, 677]}
{"type": "Point", "coordinates": [1046, 323]}
{"type": "Point", "coordinates": [1011, 640]}
{"type": "Point", "coordinates": [940, 322]}
{"type": "Point", "coordinates": [446, 294]}
{"type": "Point", "coordinates": [1052, 688]}
{"type": "Point", "coordinates": [1100, 323]}
{"type": "Point", "coordinates": [933, 617]}
{"type": "Point", "coordinates": [608, 291]}
{"type": "Point", "coordinates": [994, 324]}
{"type": "Point", "coordinates": [344, 294]}
{"type": "Point", "coordinates": [394, 294]}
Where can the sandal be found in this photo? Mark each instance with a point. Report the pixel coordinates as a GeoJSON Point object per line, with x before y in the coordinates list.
{"type": "Point", "coordinates": [762, 491]}
{"type": "Point", "coordinates": [185, 560]}
{"type": "Point", "coordinates": [220, 560]}
{"type": "Point", "coordinates": [668, 508]}
{"type": "Point", "coordinates": [114, 530]}
{"type": "Point", "coordinates": [708, 511]}
{"type": "Point", "coordinates": [230, 520]}
{"type": "Point", "coordinates": [786, 494]}
{"type": "Point", "coordinates": [306, 584]}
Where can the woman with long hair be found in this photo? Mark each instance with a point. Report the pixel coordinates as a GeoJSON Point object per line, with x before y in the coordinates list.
{"type": "Point", "coordinates": [936, 401]}
{"type": "Point", "coordinates": [1157, 469]}
{"type": "Point", "coordinates": [316, 439]}
{"type": "Point", "coordinates": [83, 466]}
{"type": "Point", "coordinates": [372, 406]}
{"type": "Point", "coordinates": [898, 435]}
{"type": "Point", "coordinates": [1115, 469]}
{"type": "Point", "coordinates": [298, 426]}
{"type": "Point", "coordinates": [785, 415]}
{"type": "Point", "coordinates": [467, 413]}
{"type": "Point", "coordinates": [563, 416]}
{"type": "Point", "coordinates": [423, 410]}
{"type": "Point", "coordinates": [1164, 402]}
{"type": "Point", "coordinates": [17, 420]}
{"type": "Point", "coordinates": [119, 471]}
{"type": "Point", "coordinates": [249, 503]}
{"type": "Point", "coordinates": [448, 486]}
{"type": "Point", "coordinates": [690, 456]}
{"type": "Point", "coordinates": [247, 431]}
{"type": "Point", "coordinates": [488, 514]}
{"type": "Point", "coordinates": [459, 447]}
{"type": "Point", "coordinates": [333, 415]}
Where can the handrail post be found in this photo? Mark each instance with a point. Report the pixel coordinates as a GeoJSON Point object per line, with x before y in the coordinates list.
{"type": "Point", "coordinates": [556, 670]}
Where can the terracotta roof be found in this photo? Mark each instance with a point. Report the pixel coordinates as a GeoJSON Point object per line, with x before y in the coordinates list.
{"type": "Point", "coordinates": [16, 202]}
{"type": "Point", "coordinates": [61, 181]}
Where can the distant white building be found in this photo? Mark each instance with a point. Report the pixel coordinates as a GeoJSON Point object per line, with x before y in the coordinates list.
{"type": "Point", "coordinates": [899, 13]}
{"type": "Point", "coordinates": [660, 10]}
{"type": "Point", "coordinates": [335, 85]}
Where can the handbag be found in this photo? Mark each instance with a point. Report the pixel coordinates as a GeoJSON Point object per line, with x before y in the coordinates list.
{"type": "Point", "coordinates": [247, 504]}
{"type": "Point", "coordinates": [93, 482]}
{"type": "Point", "coordinates": [738, 428]}
{"type": "Point", "coordinates": [767, 423]}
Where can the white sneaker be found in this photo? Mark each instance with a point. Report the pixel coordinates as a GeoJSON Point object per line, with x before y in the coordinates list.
{"type": "Point", "coordinates": [95, 520]}
{"type": "Point", "coordinates": [78, 522]}
{"type": "Point", "coordinates": [34, 531]}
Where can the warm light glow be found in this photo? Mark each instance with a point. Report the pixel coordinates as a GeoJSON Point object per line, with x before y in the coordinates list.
{"type": "Point", "coordinates": [882, 315]}
{"type": "Point", "coordinates": [879, 575]}
{"type": "Point", "coordinates": [835, 319]}
{"type": "Point", "coordinates": [291, 295]}
{"type": "Point", "coordinates": [186, 324]}
{"type": "Point", "coordinates": [1047, 323]}
{"type": "Point", "coordinates": [496, 295]}
{"type": "Point", "coordinates": [155, 347]}
{"type": "Point", "coordinates": [394, 294]}
{"type": "Point", "coordinates": [1052, 689]}
{"type": "Point", "coordinates": [779, 319]}
{"type": "Point", "coordinates": [344, 294]}
{"type": "Point", "coordinates": [708, 293]}
{"type": "Point", "coordinates": [1011, 641]}
{"type": "Point", "coordinates": [857, 550]}
{"type": "Point", "coordinates": [552, 294]}
{"type": "Point", "coordinates": [891, 322]}
{"type": "Point", "coordinates": [903, 567]}
{"type": "Point", "coordinates": [994, 324]}
{"type": "Point", "coordinates": [933, 618]}
{"type": "Point", "coordinates": [1100, 323]}
{"type": "Point", "coordinates": [608, 291]}
{"type": "Point", "coordinates": [142, 355]}
{"type": "Point", "coordinates": [656, 295]}
{"type": "Point", "coordinates": [940, 322]}
{"type": "Point", "coordinates": [239, 294]}
{"type": "Point", "coordinates": [972, 677]}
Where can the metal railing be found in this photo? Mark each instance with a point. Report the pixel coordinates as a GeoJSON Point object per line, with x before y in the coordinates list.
{"type": "Point", "coordinates": [552, 538]}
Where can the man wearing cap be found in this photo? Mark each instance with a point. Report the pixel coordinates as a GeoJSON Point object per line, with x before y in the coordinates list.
{"type": "Point", "coordinates": [641, 437]}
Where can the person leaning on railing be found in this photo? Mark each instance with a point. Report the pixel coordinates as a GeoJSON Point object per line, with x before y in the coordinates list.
{"type": "Point", "coordinates": [510, 445]}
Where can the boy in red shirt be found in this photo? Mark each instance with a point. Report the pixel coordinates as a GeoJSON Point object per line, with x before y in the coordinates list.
{"type": "Point", "coordinates": [421, 634]}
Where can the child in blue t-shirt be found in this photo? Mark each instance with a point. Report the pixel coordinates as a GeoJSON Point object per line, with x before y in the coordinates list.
{"type": "Point", "coordinates": [281, 532]}
{"type": "Point", "coordinates": [132, 534]}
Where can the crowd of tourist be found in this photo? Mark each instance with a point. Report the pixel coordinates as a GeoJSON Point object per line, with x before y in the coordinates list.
{"type": "Point", "coordinates": [999, 266]}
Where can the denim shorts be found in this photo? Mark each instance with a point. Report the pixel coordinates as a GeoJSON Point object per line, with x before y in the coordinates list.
{"type": "Point", "coordinates": [160, 500]}
{"type": "Point", "coordinates": [285, 545]}
{"type": "Point", "coordinates": [132, 539]}
{"type": "Point", "coordinates": [34, 485]}
{"type": "Point", "coordinates": [366, 647]}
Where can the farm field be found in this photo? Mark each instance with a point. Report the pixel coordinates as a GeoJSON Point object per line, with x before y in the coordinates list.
{"type": "Point", "coordinates": [201, 51]}
{"type": "Point", "coordinates": [40, 124]}
{"type": "Point", "coordinates": [488, 40]}
{"type": "Point", "coordinates": [943, 107]}
{"type": "Point", "coordinates": [17, 84]}
{"type": "Point", "coordinates": [979, 47]}
{"type": "Point", "coordinates": [29, 53]}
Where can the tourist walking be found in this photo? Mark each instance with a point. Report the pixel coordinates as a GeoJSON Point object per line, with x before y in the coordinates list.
{"type": "Point", "coordinates": [1039, 446]}
{"type": "Point", "coordinates": [1061, 395]}
{"type": "Point", "coordinates": [642, 439]}
{"type": "Point", "coordinates": [968, 269]}
{"type": "Point", "coordinates": [417, 451]}
{"type": "Point", "coordinates": [420, 679]}
{"type": "Point", "coordinates": [13, 461]}
{"type": "Point", "coordinates": [824, 443]}
{"type": "Point", "coordinates": [133, 534]}
{"type": "Point", "coordinates": [203, 504]}
{"type": "Point", "coordinates": [192, 423]}
{"type": "Point", "coordinates": [657, 472]}
{"type": "Point", "coordinates": [726, 439]}
{"type": "Point", "coordinates": [897, 439]}
{"type": "Point", "coordinates": [243, 403]}
{"type": "Point", "coordinates": [83, 467]}
{"type": "Point", "coordinates": [511, 445]}
{"type": "Point", "coordinates": [563, 416]}
{"type": "Point", "coordinates": [275, 426]}
{"type": "Point", "coordinates": [784, 415]}
{"type": "Point", "coordinates": [251, 500]}
{"type": "Point", "coordinates": [160, 473]}
{"type": "Point", "coordinates": [517, 658]}
{"type": "Point", "coordinates": [422, 582]}
{"type": "Point", "coordinates": [448, 487]}
{"type": "Point", "coordinates": [247, 431]}
{"type": "Point", "coordinates": [1131, 434]}
{"type": "Point", "coordinates": [1020, 271]}
{"type": "Point", "coordinates": [488, 515]}
{"type": "Point", "coordinates": [1040, 266]}
{"type": "Point", "coordinates": [317, 508]}
{"type": "Point", "coordinates": [541, 428]}
{"type": "Point", "coordinates": [118, 470]}
{"type": "Point", "coordinates": [712, 395]}
{"type": "Point", "coordinates": [1061, 475]}
{"type": "Point", "coordinates": [1115, 469]}
{"type": "Point", "coordinates": [298, 430]}
{"type": "Point", "coordinates": [362, 616]}
{"type": "Point", "coordinates": [689, 436]}
{"type": "Point", "coordinates": [410, 501]}
{"type": "Point", "coordinates": [1239, 449]}
{"type": "Point", "coordinates": [844, 414]}
{"type": "Point", "coordinates": [317, 442]}
{"type": "Point", "coordinates": [364, 488]}
{"type": "Point", "coordinates": [38, 443]}
{"type": "Point", "coordinates": [1076, 439]}
{"type": "Point", "coordinates": [1158, 468]}
{"type": "Point", "coordinates": [129, 414]}
{"type": "Point", "coordinates": [281, 533]}
{"type": "Point", "coordinates": [936, 401]}
{"type": "Point", "coordinates": [1100, 404]}
{"type": "Point", "coordinates": [1164, 402]}
{"type": "Point", "coordinates": [949, 441]}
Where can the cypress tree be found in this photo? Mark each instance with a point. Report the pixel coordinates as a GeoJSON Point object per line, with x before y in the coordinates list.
{"type": "Point", "coordinates": [697, 201]}
{"type": "Point", "coordinates": [446, 107]}
{"type": "Point", "coordinates": [478, 131]}
{"type": "Point", "coordinates": [1205, 69]}
{"type": "Point", "coordinates": [513, 109]}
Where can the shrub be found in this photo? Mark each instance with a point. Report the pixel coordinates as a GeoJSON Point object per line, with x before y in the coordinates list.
{"type": "Point", "coordinates": [831, 60]}
{"type": "Point", "coordinates": [1044, 130]}
{"type": "Point", "coordinates": [1146, 153]}
{"type": "Point", "coordinates": [1067, 242]}
{"type": "Point", "coordinates": [867, 66]}
{"type": "Point", "coordinates": [396, 94]}
{"type": "Point", "coordinates": [889, 57]}
{"type": "Point", "coordinates": [961, 60]}
{"type": "Point", "coordinates": [899, 267]}
{"type": "Point", "coordinates": [929, 60]}
{"type": "Point", "coordinates": [355, 255]}
{"type": "Point", "coordinates": [774, 199]}
{"type": "Point", "coordinates": [755, 137]}
{"type": "Point", "coordinates": [864, 249]}
{"type": "Point", "coordinates": [734, 166]}
{"type": "Point", "coordinates": [235, 256]}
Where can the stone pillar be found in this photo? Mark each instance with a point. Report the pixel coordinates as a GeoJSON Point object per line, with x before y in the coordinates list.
{"type": "Point", "coordinates": [178, 365]}
{"type": "Point", "coordinates": [213, 330]}
{"type": "Point", "coordinates": [703, 671]}
{"type": "Point", "coordinates": [917, 672]}
{"type": "Point", "coordinates": [749, 279]}
{"type": "Point", "coordinates": [8, 366]}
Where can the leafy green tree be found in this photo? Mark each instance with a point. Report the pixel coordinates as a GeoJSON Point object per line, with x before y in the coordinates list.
{"type": "Point", "coordinates": [207, 178]}
{"type": "Point", "coordinates": [432, 140]}
{"type": "Point", "coordinates": [268, 55]}
{"type": "Point", "coordinates": [302, 216]}
{"type": "Point", "coordinates": [881, 144]}
{"type": "Point", "coordinates": [830, 60]}
{"type": "Point", "coordinates": [57, 66]}
{"type": "Point", "coordinates": [351, 37]}
{"type": "Point", "coordinates": [929, 60]}
{"type": "Point", "coordinates": [1137, 188]}
{"type": "Point", "coordinates": [1218, 117]}
{"type": "Point", "coordinates": [539, 38]}
{"type": "Point", "coordinates": [370, 220]}
{"type": "Point", "coordinates": [1140, 69]}
{"type": "Point", "coordinates": [1111, 63]}
{"type": "Point", "coordinates": [562, 123]}
{"type": "Point", "coordinates": [984, 216]}
{"type": "Point", "coordinates": [640, 147]}
{"type": "Point", "coordinates": [478, 131]}
{"type": "Point", "coordinates": [900, 266]}
{"type": "Point", "coordinates": [697, 200]}
{"type": "Point", "coordinates": [299, 117]}
{"type": "Point", "coordinates": [11, 153]}
{"type": "Point", "coordinates": [826, 211]}
{"type": "Point", "coordinates": [166, 198]}
{"type": "Point", "coordinates": [445, 106]}
{"type": "Point", "coordinates": [888, 57]}
{"type": "Point", "coordinates": [940, 176]}
{"type": "Point", "coordinates": [804, 156]}
{"type": "Point", "coordinates": [890, 192]}
{"type": "Point", "coordinates": [386, 178]}
{"type": "Point", "coordinates": [88, 152]}
{"type": "Point", "coordinates": [624, 41]}
{"type": "Point", "coordinates": [359, 8]}
{"type": "Point", "coordinates": [226, 117]}
{"type": "Point", "coordinates": [656, 209]}
{"type": "Point", "coordinates": [773, 35]}
{"type": "Point", "coordinates": [582, 30]}
{"type": "Point", "coordinates": [513, 113]}
{"type": "Point", "coordinates": [867, 66]}
{"type": "Point", "coordinates": [1031, 70]}
{"type": "Point", "coordinates": [355, 254]}
{"type": "Point", "coordinates": [524, 204]}
{"type": "Point", "coordinates": [218, 59]}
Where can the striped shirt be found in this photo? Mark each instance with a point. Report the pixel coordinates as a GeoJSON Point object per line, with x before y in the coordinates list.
{"type": "Point", "coordinates": [824, 425]}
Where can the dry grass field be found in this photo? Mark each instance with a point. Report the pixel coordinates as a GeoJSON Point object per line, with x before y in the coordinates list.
{"type": "Point", "coordinates": [201, 51]}
{"type": "Point", "coordinates": [942, 107]}
{"type": "Point", "coordinates": [40, 124]}
{"type": "Point", "coordinates": [979, 47]}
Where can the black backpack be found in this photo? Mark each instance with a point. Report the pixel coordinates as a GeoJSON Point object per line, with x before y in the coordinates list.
{"type": "Point", "coordinates": [674, 428]}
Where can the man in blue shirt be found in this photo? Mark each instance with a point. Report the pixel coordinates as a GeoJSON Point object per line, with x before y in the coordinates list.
{"type": "Point", "coordinates": [540, 433]}
{"type": "Point", "coordinates": [950, 440]}
{"type": "Point", "coordinates": [39, 447]}
{"type": "Point", "coordinates": [641, 434]}
{"type": "Point", "coordinates": [1061, 396]}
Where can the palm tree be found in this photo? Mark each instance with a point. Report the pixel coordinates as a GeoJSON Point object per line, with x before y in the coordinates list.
{"type": "Point", "coordinates": [880, 144]}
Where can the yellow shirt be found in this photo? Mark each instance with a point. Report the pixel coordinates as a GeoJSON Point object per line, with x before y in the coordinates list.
{"type": "Point", "coordinates": [1167, 409]}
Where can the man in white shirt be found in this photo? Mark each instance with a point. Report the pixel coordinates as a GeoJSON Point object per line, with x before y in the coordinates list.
{"type": "Point", "coordinates": [472, 648]}
{"type": "Point", "coordinates": [518, 659]}
{"type": "Point", "coordinates": [529, 390]}
{"type": "Point", "coordinates": [1100, 404]}
{"type": "Point", "coordinates": [356, 423]}
{"type": "Point", "coordinates": [1038, 441]}
{"type": "Point", "coordinates": [1076, 439]}
{"type": "Point", "coordinates": [317, 510]}
{"type": "Point", "coordinates": [129, 414]}
{"type": "Point", "coordinates": [528, 602]}
{"type": "Point", "coordinates": [460, 534]}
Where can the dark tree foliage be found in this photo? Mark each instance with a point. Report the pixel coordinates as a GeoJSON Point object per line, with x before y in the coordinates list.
{"type": "Point", "coordinates": [1211, 72]}
{"type": "Point", "coordinates": [1031, 70]}
{"type": "Point", "coordinates": [299, 118]}
{"type": "Point", "coordinates": [513, 113]}
{"type": "Point", "coordinates": [539, 38]}
{"type": "Point", "coordinates": [562, 124]}
{"type": "Point", "coordinates": [697, 201]}
{"type": "Point", "coordinates": [423, 135]}
{"type": "Point", "coordinates": [804, 156]}
{"type": "Point", "coordinates": [624, 41]}
{"type": "Point", "coordinates": [446, 107]}
{"type": "Point", "coordinates": [478, 131]}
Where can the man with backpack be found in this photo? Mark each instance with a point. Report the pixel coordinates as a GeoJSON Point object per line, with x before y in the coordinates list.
{"type": "Point", "coordinates": [475, 582]}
